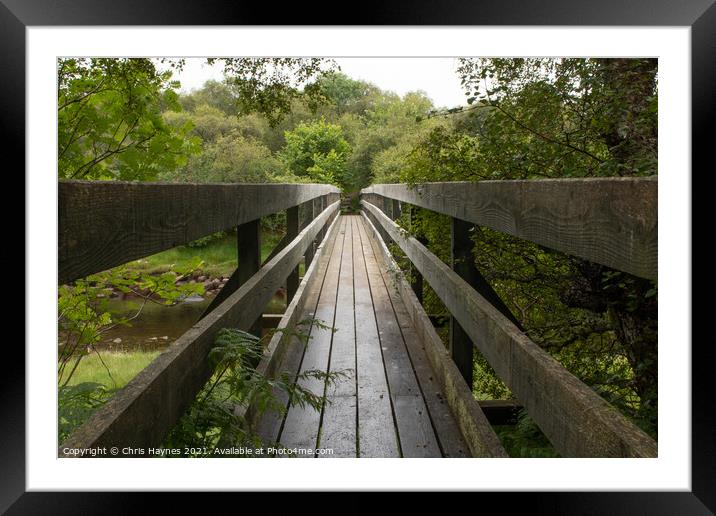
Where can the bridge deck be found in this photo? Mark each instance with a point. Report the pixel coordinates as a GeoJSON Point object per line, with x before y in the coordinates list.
{"type": "Point", "coordinates": [387, 404]}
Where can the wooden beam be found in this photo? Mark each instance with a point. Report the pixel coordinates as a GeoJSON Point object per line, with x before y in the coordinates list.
{"type": "Point", "coordinates": [463, 263]}
{"type": "Point", "coordinates": [416, 277]}
{"type": "Point", "coordinates": [141, 414]}
{"type": "Point", "coordinates": [309, 213]}
{"type": "Point", "coordinates": [574, 418]}
{"type": "Point", "coordinates": [292, 228]}
{"type": "Point", "coordinates": [474, 426]}
{"type": "Point", "coordinates": [102, 224]}
{"type": "Point", "coordinates": [248, 246]}
{"type": "Point", "coordinates": [611, 221]}
{"type": "Point", "coordinates": [248, 240]}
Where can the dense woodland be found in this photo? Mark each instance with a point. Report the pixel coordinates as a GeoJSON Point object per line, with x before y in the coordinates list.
{"type": "Point", "coordinates": [292, 120]}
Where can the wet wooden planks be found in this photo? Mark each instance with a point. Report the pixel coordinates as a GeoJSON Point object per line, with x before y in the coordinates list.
{"type": "Point", "coordinates": [385, 404]}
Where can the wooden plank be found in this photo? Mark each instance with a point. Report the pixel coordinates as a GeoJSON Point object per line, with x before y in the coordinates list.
{"type": "Point", "coordinates": [448, 432]}
{"type": "Point", "coordinates": [141, 414]}
{"type": "Point", "coordinates": [576, 420]}
{"type": "Point", "coordinates": [612, 221]}
{"type": "Point", "coordinates": [415, 431]}
{"type": "Point", "coordinates": [309, 214]}
{"type": "Point", "coordinates": [287, 358]}
{"type": "Point", "coordinates": [338, 426]}
{"type": "Point", "coordinates": [416, 278]}
{"type": "Point", "coordinates": [292, 228]}
{"type": "Point", "coordinates": [301, 425]}
{"type": "Point", "coordinates": [463, 263]}
{"type": "Point", "coordinates": [376, 426]}
{"type": "Point", "coordinates": [102, 224]}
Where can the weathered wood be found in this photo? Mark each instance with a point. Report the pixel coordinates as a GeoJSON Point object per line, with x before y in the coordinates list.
{"type": "Point", "coordinates": [376, 426]}
{"type": "Point", "coordinates": [449, 436]}
{"type": "Point", "coordinates": [338, 428]}
{"type": "Point", "coordinates": [463, 263]}
{"type": "Point", "coordinates": [301, 424]}
{"type": "Point", "coordinates": [476, 430]}
{"type": "Point", "coordinates": [285, 351]}
{"type": "Point", "coordinates": [415, 432]}
{"type": "Point", "coordinates": [416, 279]}
{"type": "Point", "coordinates": [248, 239]}
{"type": "Point", "coordinates": [292, 228]}
{"type": "Point", "coordinates": [309, 214]}
{"type": "Point", "coordinates": [611, 221]}
{"type": "Point", "coordinates": [102, 224]}
{"type": "Point", "coordinates": [576, 420]}
{"type": "Point", "coordinates": [396, 209]}
{"type": "Point", "coordinates": [141, 414]}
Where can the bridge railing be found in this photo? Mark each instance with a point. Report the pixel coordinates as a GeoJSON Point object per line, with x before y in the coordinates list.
{"type": "Point", "coordinates": [611, 221]}
{"type": "Point", "coordinates": [106, 224]}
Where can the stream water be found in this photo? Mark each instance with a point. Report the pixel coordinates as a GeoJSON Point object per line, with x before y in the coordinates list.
{"type": "Point", "coordinates": [157, 326]}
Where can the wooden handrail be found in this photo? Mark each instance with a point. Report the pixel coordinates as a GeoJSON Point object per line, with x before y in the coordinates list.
{"type": "Point", "coordinates": [611, 221]}
{"type": "Point", "coordinates": [102, 224]}
{"type": "Point", "coordinates": [577, 421]}
{"type": "Point", "coordinates": [141, 413]}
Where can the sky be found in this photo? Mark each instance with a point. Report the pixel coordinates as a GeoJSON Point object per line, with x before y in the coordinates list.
{"type": "Point", "coordinates": [435, 76]}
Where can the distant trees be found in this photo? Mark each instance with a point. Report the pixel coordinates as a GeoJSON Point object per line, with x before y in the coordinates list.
{"type": "Point", "coordinates": [317, 150]}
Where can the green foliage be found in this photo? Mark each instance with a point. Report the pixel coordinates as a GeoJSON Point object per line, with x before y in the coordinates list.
{"type": "Point", "coordinates": [317, 150]}
{"type": "Point", "coordinates": [205, 241]}
{"type": "Point", "coordinates": [347, 95]}
{"type": "Point", "coordinates": [230, 159]}
{"type": "Point", "coordinates": [525, 439]}
{"type": "Point", "coordinates": [110, 123]}
{"type": "Point", "coordinates": [76, 403]}
{"type": "Point", "coordinates": [388, 125]}
{"type": "Point", "coordinates": [564, 117]}
{"type": "Point", "coordinates": [213, 419]}
{"type": "Point", "coordinates": [270, 85]}
{"type": "Point", "coordinates": [83, 316]}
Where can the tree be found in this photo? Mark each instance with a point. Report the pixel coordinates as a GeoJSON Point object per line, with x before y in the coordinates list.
{"type": "Point", "coordinates": [347, 95]}
{"type": "Point", "coordinates": [269, 85]}
{"type": "Point", "coordinates": [317, 150]}
{"type": "Point", "coordinates": [537, 118]}
{"type": "Point", "coordinates": [110, 123]}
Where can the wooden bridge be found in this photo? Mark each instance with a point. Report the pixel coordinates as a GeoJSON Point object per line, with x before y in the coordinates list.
{"type": "Point", "coordinates": [406, 394]}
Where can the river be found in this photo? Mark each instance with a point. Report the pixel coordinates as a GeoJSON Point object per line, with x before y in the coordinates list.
{"type": "Point", "coordinates": [157, 326]}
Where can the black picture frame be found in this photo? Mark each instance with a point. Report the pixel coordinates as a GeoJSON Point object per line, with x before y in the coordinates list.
{"type": "Point", "coordinates": [700, 15]}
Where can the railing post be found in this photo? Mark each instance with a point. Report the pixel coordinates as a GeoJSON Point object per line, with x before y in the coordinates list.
{"type": "Point", "coordinates": [416, 278]}
{"type": "Point", "coordinates": [463, 263]}
{"type": "Point", "coordinates": [308, 216]}
{"type": "Point", "coordinates": [292, 230]}
{"type": "Point", "coordinates": [324, 203]}
{"type": "Point", "coordinates": [249, 254]}
{"type": "Point", "coordinates": [395, 210]}
{"type": "Point", "coordinates": [388, 207]}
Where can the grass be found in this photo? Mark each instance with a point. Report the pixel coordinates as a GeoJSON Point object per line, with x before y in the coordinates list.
{"type": "Point", "coordinates": [219, 256]}
{"type": "Point", "coordinates": [91, 385]}
{"type": "Point", "coordinates": [123, 366]}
